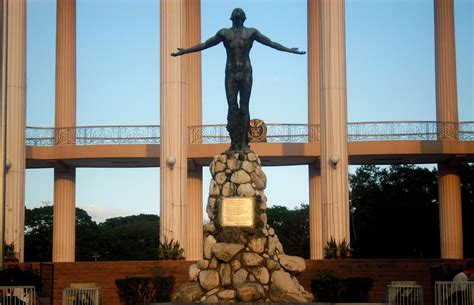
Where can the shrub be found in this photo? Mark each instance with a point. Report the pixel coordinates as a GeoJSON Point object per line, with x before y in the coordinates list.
{"type": "Point", "coordinates": [14, 276]}
{"type": "Point", "coordinates": [163, 287]}
{"type": "Point", "coordinates": [145, 290]}
{"type": "Point", "coordinates": [329, 288]}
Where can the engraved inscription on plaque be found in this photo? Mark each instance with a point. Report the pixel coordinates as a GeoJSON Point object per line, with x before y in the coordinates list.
{"type": "Point", "coordinates": [237, 212]}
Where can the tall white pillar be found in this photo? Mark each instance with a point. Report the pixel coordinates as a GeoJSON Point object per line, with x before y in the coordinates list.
{"type": "Point", "coordinates": [449, 183]}
{"type": "Point", "coordinates": [16, 124]}
{"type": "Point", "coordinates": [334, 175]}
{"type": "Point", "coordinates": [194, 250]}
{"type": "Point", "coordinates": [450, 212]}
{"type": "Point", "coordinates": [314, 113]}
{"type": "Point", "coordinates": [173, 120]}
{"type": "Point", "coordinates": [64, 221]}
{"type": "Point", "coordinates": [3, 35]}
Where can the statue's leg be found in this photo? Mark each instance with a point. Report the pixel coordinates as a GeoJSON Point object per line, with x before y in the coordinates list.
{"type": "Point", "coordinates": [245, 88]}
{"type": "Point", "coordinates": [231, 90]}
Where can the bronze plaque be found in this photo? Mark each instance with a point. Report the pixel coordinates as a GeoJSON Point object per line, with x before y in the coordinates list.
{"type": "Point", "coordinates": [237, 212]}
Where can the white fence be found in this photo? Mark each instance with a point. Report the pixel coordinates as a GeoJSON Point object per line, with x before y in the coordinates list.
{"type": "Point", "coordinates": [17, 295]}
{"type": "Point", "coordinates": [405, 295]}
{"type": "Point", "coordinates": [454, 293]}
{"type": "Point", "coordinates": [81, 296]}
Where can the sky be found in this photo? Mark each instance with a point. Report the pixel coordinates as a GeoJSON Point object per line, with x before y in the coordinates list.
{"type": "Point", "coordinates": [390, 77]}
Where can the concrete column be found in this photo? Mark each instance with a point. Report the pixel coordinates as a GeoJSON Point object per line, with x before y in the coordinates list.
{"type": "Point", "coordinates": [450, 214]}
{"type": "Point", "coordinates": [334, 177]}
{"type": "Point", "coordinates": [449, 183]}
{"type": "Point", "coordinates": [64, 223]}
{"type": "Point", "coordinates": [3, 5]}
{"type": "Point", "coordinates": [314, 113]}
{"type": "Point", "coordinates": [194, 249]}
{"type": "Point", "coordinates": [16, 120]}
{"type": "Point", "coordinates": [173, 120]}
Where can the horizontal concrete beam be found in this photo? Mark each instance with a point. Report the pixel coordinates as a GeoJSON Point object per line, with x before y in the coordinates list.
{"type": "Point", "coordinates": [271, 154]}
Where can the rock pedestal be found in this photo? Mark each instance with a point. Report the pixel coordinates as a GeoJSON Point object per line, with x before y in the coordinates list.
{"type": "Point", "coordinates": [241, 264]}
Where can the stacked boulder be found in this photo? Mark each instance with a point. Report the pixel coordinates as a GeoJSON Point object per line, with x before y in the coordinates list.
{"type": "Point", "coordinates": [241, 264]}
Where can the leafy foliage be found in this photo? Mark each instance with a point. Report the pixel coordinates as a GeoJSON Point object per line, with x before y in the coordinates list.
{"type": "Point", "coordinates": [145, 290]}
{"type": "Point", "coordinates": [39, 233]}
{"type": "Point", "coordinates": [330, 288]}
{"type": "Point", "coordinates": [121, 238]}
{"type": "Point", "coordinates": [292, 227]}
{"type": "Point", "coordinates": [14, 276]}
{"type": "Point", "coordinates": [130, 238]}
{"type": "Point", "coordinates": [170, 250]}
{"type": "Point", "coordinates": [399, 205]}
{"type": "Point", "coordinates": [334, 249]}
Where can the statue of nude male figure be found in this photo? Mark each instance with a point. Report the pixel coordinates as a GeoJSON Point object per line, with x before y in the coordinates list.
{"type": "Point", "coordinates": [238, 41]}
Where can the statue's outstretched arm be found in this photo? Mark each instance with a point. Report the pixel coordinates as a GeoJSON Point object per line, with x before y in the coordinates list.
{"type": "Point", "coordinates": [216, 39]}
{"type": "Point", "coordinates": [275, 45]}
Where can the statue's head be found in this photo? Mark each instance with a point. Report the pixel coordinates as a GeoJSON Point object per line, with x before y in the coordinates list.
{"type": "Point", "coordinates": [238, 14]}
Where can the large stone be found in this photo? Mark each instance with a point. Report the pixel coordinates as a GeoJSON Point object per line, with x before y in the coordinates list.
{"type": "Point", "coordinates": [294, 264]}
{"type": "Point", "coordinates": [284, 289]}
{"type": "Point", "coordinates": [233, 164]}
{"type": "Point", "coordinates": [272, 265]}
{"type": "Point", "coordinates": [222, 158]}
{"type": "Point", "coordinates": [193, 272]}
{"type": "Point", "coordinates": [240, 177]}
{"type": "Point", "coordinates": [188, 293]}
{"type": "Point", "coordinates": [209, 279]}
{"type": "Point", "coordinates": [259, 179]}
{"type": "Point", "coordinates": [214, 189]}
{"type": "Point", "coordinates": [220, 178]}
{"type": "Point", "coordinates": [235, 265]}
{"type": "Point", "coordinates": [251, 157]}
{"type": "Point", "coordinates": [252, 259]}
{"type": "Point", "coordinates": [250, 292]}
{"type": "Point", "coordinates": [226, 294]}
{"type": "Point", "coordinates": [212, 299]}
{"type": "Point", "coordinates": [247, 166]}
{"type": "Point", "coordinates": [239, 277]}
{"type": "Point", "coordinates": [218, 167]}
{"type": "Point", "coordinates": [208, 243]}
{"type": "Point", "coordinates": [245, 190]}
{"type": "Point", "coordinates": [225, 252]}
{"type": "Point", "coordinates": [213, 263]}
{"type": "Point", "coordinates": [229, 189]}
{"type": "Point", "coordinates": [274, 244]}
{"type": "Point", "coordinates": [202, 264]}
{"type": "Point", "coordinates": [225, 273]}
{"type": "Point", "coordinates": [210, 228]}
{"type": "Point", "coordinates": [258, 244]}
{"type": "Point", "coordinates": [261, 274]}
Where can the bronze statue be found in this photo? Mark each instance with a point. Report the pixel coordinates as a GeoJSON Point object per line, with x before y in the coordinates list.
{"type": "Point", "coordinates": [238, 41]}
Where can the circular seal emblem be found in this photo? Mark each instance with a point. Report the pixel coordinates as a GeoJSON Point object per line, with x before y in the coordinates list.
{"type": "Point", "coordinates": [258, 131]}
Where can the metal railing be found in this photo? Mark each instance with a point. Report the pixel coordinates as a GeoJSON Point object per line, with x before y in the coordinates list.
{"type": "Point", "coordinates": [17, 295]}
{"type": "Point", "coordinates": [454, 293]}
{"type": "Point", "coordinates": [81, 296]}
{"type": "Point", "coordinates": [404, 294]}
{"type": "Point", "coordinates": [92, 135]}
{"type": "Point", "coordinates": [276, 133]}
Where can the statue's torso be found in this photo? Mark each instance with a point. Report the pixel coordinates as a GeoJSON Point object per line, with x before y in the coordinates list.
{"type": "Point", "coordinates": [238, 42]}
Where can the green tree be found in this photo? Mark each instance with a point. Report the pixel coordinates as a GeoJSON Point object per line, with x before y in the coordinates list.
{"type": "Point", "coordinates": [292, 228]}
{"type": "Point", "coordinates": [130, 238]}
{"type": "Point", "coordinates": [396, 211]}
{"type": "Point", "coordinates": [39, 235]}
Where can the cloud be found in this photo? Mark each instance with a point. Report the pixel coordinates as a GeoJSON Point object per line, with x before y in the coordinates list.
{"type": "Point", "coordinates": [100, 214]}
